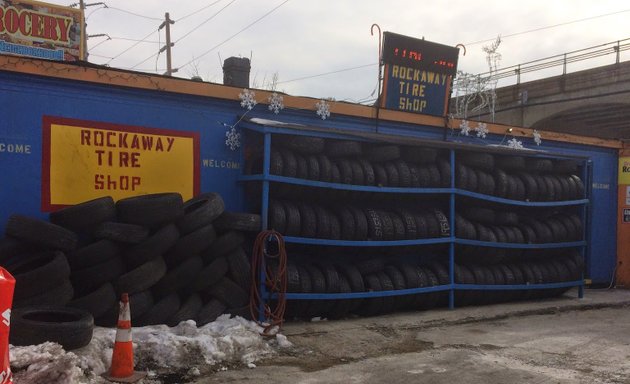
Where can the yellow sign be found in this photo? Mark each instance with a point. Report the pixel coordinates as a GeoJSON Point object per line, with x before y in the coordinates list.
{"type": "Point", "coordinates": [624, 170]}
{"type": "Point", "coordinates": [86, 160]}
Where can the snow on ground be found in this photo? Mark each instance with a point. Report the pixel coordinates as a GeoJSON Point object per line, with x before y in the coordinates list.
{"type": "Point", "coordinates": [159, 349]}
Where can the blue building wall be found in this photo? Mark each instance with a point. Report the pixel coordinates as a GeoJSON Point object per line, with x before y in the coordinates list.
{"type": "Point", "coordinates": [25, 99]}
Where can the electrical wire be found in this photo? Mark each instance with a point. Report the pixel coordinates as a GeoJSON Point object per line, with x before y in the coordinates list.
{"type": "Point", "coordinates": [134, 14]}
{"type": "Point", "coordinates": [237, 33]}
{"type": "Point", "coordinates": [131, 47]}
{"type": "Point", "coordinates": [327, 73]}
{"type": "Point", "coordinates": [197, 11]}
{"type": "Point", "coordinates": [204, 22]}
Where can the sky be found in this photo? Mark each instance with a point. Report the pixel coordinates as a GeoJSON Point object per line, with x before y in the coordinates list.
{"type": "Point", "coordinates": [300, 42]}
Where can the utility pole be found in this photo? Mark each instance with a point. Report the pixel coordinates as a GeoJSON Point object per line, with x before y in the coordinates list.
{"type": "Point", "coordinates": [84, 34]}
{"type": "Point", "coordinates": [167, 23]}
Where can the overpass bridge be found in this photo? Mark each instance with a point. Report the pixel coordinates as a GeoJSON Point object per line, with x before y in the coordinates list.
{"type": "Point", "coordinates": [592, 102]}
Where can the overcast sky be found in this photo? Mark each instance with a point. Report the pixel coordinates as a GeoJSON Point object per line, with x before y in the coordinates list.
{"type": "Point", "coordinates": [305, 38]}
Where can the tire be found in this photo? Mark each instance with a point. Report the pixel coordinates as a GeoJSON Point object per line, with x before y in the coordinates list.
{"type": "Point", "coordinates": [211, 274]}
{"type": "Point", "coordinates": [389, 302]}
{"type": "Point", "coordinates": [372, 306]}
{"type": "Point", "coordinates": [122, 232]}
{"type": "Point", "coordinates": [404, 174]}
{"type": "Point", "coordinates": [565, 166]}
{"type": "Point", "coordinates": [37, 275]}
{"type": "Point", "coordinates": [393, 178]}
{"type": "Point", "coordinates": [419, 155]}
{"type": "Point", "coordinates": [531, 187]}
{"type": "Point", "coordinates": [190, 245]}
{"type": "Point", "coordinates": [276, 165]}
{"type": "Point", "coordinates": [161, 311]}
{"type": "Point", "coordinates": [445, 228]}
{"type": "Point", "coordinates": [223, 245]}
{"type": "Point", "coordinates": [361, 224]}
{"type": "Point", "coordinates": [293, 218]}
{"type": "Point", "coordinates": [341, 308]}
{"type": "Point", "coordinates": [289, 163]}
{"type": "Point", "coordinates": [409, 222]}
{"type": "Point", "coordinates": [369, 266]}
{"type": "Point", "coordinates": [156, 245]}
{"type": "Point", "coordinates": [308, 220]}
{"type": "Point", "coordinates": [325, 168]}
{"type": "Point", "coordinates": [579, 186]}
{"type": "Point", "coordinates": [187, 311]}
{"type": "Point", "coordinates": [400, 231]}
{"type": "Point", "coordinates": [139, 303]}
{"type": "Point", "coordinates": [345, 171]}
{"type": "Point", "coordinates": [335, 226]}
{"type": "Point", "coordinates": [239, 268]}
{"type": "Point", "coordinates": [239, 221]}
{"type": "Point", "coordinates": [480, 160]}
{"type": "Point", "coordinates": [500, 182]}
{"type": "Point", "coordinates": [330, 276]}
{"type": "Point", "coordinates": [70, 327]}
{"type": "Point", "coordinates": [277, 216]}
{"type": "Point", "coordinates": [481, 215]}
{"type": "Point", "coordinates": [323, 222]}
{"type": "Point", "coordinates": [358, 178]}
{"type": "Point", "coordinates": [141, 278]}
{"type": "Point", "coordinates": [510, 163]}
{"type": "Point", "coordinates": [375, 225]}
{"type": "Point", "coordinates": [301, 144]}
{"type": "Point", "coordinates": [335, 174]}
{"type": "Point", "coordinates": [434, 176]}
{"type": "Point", "coordinates": [41, 233]}
{"type": "Point", "coordinates": [229, 293]}
{"type": "Point", "coordinates": [96, 302]}
{"type": "Point", "coordinates": [539, 165]}
{"type": "Point", "coordinates": [57, 296]}
{"type": "Point", "coordinates": [461, 177]}
{"type": "Point", "coordinates": [177, 278]}
{"type": "Point", "coordinates": [152, 210]}
{"type": "Point", "coordinates": [95, 253]}
{"type": "Point", "coordinates": [505, 218]}
{"type": "Point", "coordinates": [388, 225]}
{"type": "Point", "coordinates": [346, 223]}
{"type": "Point", "coordinates": [200, 211]}
{"type": "Point", "coordinates": [313, 168]}
{"type": "Point", "coordinates": [368, 172]}
{"type": "Point", "coordinates": [382, 153]}
{"type": "Point", "coordinates": [473, 182]}
{"type": "Point", "coordinates": [343, 148]}
{"type": "Point", "coordinates": [302, 167]}
{"type": "Point", "coordinates": [86, 215]}
{"type": "Point", "coordinates": [87, 279]}
{"type": "Point", "coordinates": [210, 311]}
{"type": "Point", "coordinates": [445, 173]}
{"type": "Point", "coordinates": [380, 175]}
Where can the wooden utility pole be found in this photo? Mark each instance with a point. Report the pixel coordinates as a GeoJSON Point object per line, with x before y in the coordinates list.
{"type": "Point", "coordinates": [167, 23]}
{"type": "Point", "coordinates": [84, 34]}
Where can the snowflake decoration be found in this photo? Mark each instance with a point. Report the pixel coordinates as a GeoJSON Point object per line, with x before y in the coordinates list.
{"type": "Point", "coordinates": [232, 139]}
{"type": "Point", "coordinates": [482, 130]}
{"type": "Point", "coordinates": [515, 144]}
{"type": "Point", "coordinates": [248, 99]}
{"type": "Point", "coordinates": [323, 109]}
{"type": "Point", "coordinates": [537, 137]}
{"type": "Point", "coordinates": [465, 128]}
{"type": "Point", "coordinates": [276, 103]}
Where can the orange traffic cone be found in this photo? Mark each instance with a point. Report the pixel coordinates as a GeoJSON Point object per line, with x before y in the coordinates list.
{"type": "Point", "coordinates": [122, 357]}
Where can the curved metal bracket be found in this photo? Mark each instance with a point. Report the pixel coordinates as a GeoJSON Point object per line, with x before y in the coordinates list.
{"type": "Point", "coordinates": [462, 46]}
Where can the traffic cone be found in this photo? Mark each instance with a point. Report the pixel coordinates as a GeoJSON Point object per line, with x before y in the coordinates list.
{"type": "Point", "coordinates": [122, 357]}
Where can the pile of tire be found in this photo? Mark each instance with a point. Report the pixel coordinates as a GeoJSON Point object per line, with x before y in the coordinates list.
{"type": "Point", "coordinates": [356, 222]}
{"type": "Point", "coordinates": [518, 178]}
{"type": "Point", "coordinates": [177, 261]}
{"type": "Point", "coordinates": [357, 163]}
{"type": "Point", "coordinates": [390, 274]}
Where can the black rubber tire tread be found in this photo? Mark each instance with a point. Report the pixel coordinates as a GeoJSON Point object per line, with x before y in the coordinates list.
{"type": "Point", "coordinates": [551, 188]}
{"type": "Point", "coordinates": [369, 266]}
{"type": "Point", "coordinates": [41, 233]}
{"type": "Point", "coordinates": [510, 163]}
{"type": "Point", "coordinates": [161, 311]}
{"type": "Point", "coordinates": [59, 295]}
{"type": "Point", "coordinates": [289, 163]}
{"type": "Point", "coordinates": [389, 302]}
{"type": "Point", "coordinates": [422, 226]}
{"type": "Point", "coordinates": [307, 220]}
{"type": "Point", "coordinates": [210, 311]}
{"type": "Point", "coordinates": [94, 253]}
{"type": "Point", "coordinates": [445, 173]}
{"type": "Point", "coordinates": [335, 225]}
{"type": "Point", "coordinates": [85, 215]}
{"type": "Point", "coordinates": [325, 168]}
{"type": "Point", "coordinates": [393, 179]}
{"type": "Point", "coordinates": [239, 221]}
{"type": "Point", "coordinates": [428, 300]}
{"type": "Point", "coordinates": [565, 166]}
{"type": "Point", "coordinates": [302, 166]}
{"type": "Point", "coordinates": [313, 167]}
{"type": "Point", "coordinates": [340, 308]}
{"type": "Point", "coordinates": [230, 293]}
{"type": "Point", "coordinates": [335, 174]}
{"type": "Point", "coordinates": [375, 225]}
{"type": "Point", "coordinates": [372, 306]}
{"type": "Point", "coordinates": [361, 224]}
{"type": "Point", "coordinates": [490, 184]}
{"type": "Point", "coordinates": [501, 235]}
{"type": "Point", "coordinates": [223, 245]}
{"type": "Point", "coordinates": [346, 222]}
{"type": "Point", "coordinates": [382, 153]}
{"type": "Point", "coordinates": [559, 230]}
{"type": "Point", "coordinates": [400, 231]}
{"type": "Point", "coordinates": [511, 187]}
{"type": "Point", "coordinates": [323, 222]}
{"type": "Point", "coordinates": [122, 232]}
{"type": "Point", "coordinates": [368, 172]}
{"type": "Point", "coordinates": [277, 216]}
{"type": "Point", "coordinates": [529, 234]}
{"type": "Point", "coordinates": [141, 278]}
{"type": "Point", "coordinates": [435, 179]}
{"type": "Point", "coordinates": [34, 276]}
{"type": "Point", "coordinates": [177, 278]}
{"type": "Point", "coordinates": [409, 222]}
{"type": "Point", "coordinates": [96, 302]}
{"type": "Point", "coordinates": [557, 187]}
{"type": "Point", "coordinates": [539, 165]}
{"type": "Point", "coordinates": [152, 210]}
{"type": "Point", "coordinates": [318, 285]}
{"type": "Point", "coordinates": [500, 182]}
{"type": "Point", "coordinates": [211, 274]}
{"type": "Point", "coordinates": [461, 176]}
{"type": "Point", "coordinates": [190, 245]}
{"type": "Point", "coordinates": [462, 228]}
{"type": "Point", "coordinates": [473, 182]}
{"type": "Point", "coordinates": [541, 185]}
{"type": "Point", "coordinates": [480, 215]}
{"type": "Point", "coordinates": [579, 187]}
{"type": "Point", "coordinates": [519, 193]}
{"type": "Point", "coordinates": [156, 245]}
{"type": "Point", "coordinates": [573, 188]}
{"type": "Point", "coordinates": [293, 218]}
{"type": "Point", "coordinates": [87, 279]}
{"type": "Point", "coordinates": [440, 271]}
{"type": "Point", "coordinates": [572, 231]}
{"type": "Point", "coordinates": [419, 155]}
{"type": "Point", "coordinates": [445, 228]}
{"type": "Point", "coordinates": [188, 310]}
{"type": "Point", "coordinates": [478, 160]}
{"type": "Point", "coordinates": [518, 235]}
{"type": "Point", "coordinates": [566, 193]}
{"type": "Point", "coordinates": [345, 170]}
{"type": "Point", "coordinates": [485, 183]}
{"type": "Point", "coordinates": [139, 303]}
{"type": "Point", "coordinates": [433, 225]}
{"type": "Point", "coordinates": [531, 186]}
{"type": "Point", "coordinates": [13, 250]}
{"type": "Point", "coordinates": [388, 225]}
{"type": "Point", "coordinates": [358, 178]}
{"type": "Point", "coordinates": [380, 175]}
{"type": "Point", "coordinates": [424, 176]}
{"type": "Point", "coordinates": [301, 144]}
{"type": "Point", "coordinates": [200, 211]}
{"type": "Point", "coordinates": [404, 174]}
{"type": "Point", "coordinates": [505, 218]}
{"type": "Point", "coordinates": [353, 275]}
{"type": "Point", "coordinates": [239, 268]}
{"type": "Point", "coordinates": [293, 278]}
{"type": "Point", "coordinates": [331, 276]}
{"type": "Point", "coordinates": [398, 280]}
{"type": "Point", "coordinates": [70, 327]}
{"type": "Point", "coordinates": [276, 164]}
{"type": "Point", "coordinates": [343, 148]}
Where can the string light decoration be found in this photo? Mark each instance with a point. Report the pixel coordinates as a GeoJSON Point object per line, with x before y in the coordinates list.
{"type": "Point", "coordinates": [248, 99]}
{"type": "Point", "coordinates": [482, 130]}
{"type": "Point", "coordinates": [276, 103]}
{"type": "Point", "coordinates": [537, 137]}
{"type": "Point", "coordinates": [323, 109]}
{"type": "Point", "coordinates": [464, 128]}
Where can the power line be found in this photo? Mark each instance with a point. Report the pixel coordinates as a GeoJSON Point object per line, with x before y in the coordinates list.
{"type": "Point", "coordinates": [237, 33]}
{"type": "Point", "coordinates": [138, 42]}
{"type": "Point", "coordinates": [199, 10]}
{"type": "Point", "coordinates": [328, 73]}
{"type": "Point", "coordinates": [133, 13]}
{"type": "Point", "coordinates": [124, 39]}
{"type": "Point", "coordinates": [205, 21]}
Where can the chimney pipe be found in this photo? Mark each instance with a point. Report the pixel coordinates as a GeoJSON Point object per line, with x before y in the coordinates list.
{"type": "Point", "coordinates": [236, 72]}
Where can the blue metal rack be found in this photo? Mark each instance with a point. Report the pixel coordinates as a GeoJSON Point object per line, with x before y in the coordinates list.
{"type": "Point", "coordinates": [266, 179]}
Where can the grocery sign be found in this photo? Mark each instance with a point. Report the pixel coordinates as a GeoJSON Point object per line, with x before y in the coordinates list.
{"type": "Point", "coordinates": [84, 160]}
{"type": "Point", "coordinates": [418, 74]}
{"type": "Point", "coordinates": [41, 30]}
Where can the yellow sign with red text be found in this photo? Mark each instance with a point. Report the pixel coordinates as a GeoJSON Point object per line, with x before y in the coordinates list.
{"type": "Point", "coordinates": [86, 161]}
{"type": "Point", "coordinates": [624, 170]}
